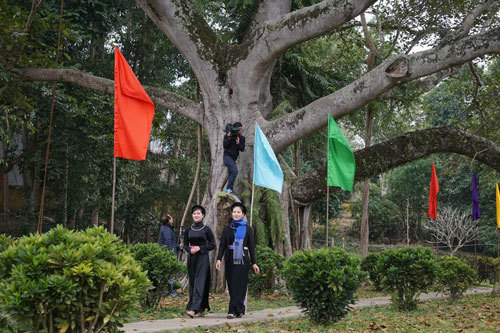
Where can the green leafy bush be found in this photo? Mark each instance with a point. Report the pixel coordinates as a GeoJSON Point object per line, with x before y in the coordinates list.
{"type": "Point", "coordinates": [5, 242]}
{"type": "Point", "coordinates": [270, 264]}
{"type": "Point", "coordinates": [485, 267]}
{"type": "Point", "coordinates": [161, 265]}
{"type": "Point", "coordinates": [406, 273]}
{"type": "Point", "coordinates": [323, 282]}
{"type": "Point", "coordinates": [62, 280]}
{"type": "Point", "coordinates": [455, 277]}
{"type": "Point", "coordinates": [369, 265]}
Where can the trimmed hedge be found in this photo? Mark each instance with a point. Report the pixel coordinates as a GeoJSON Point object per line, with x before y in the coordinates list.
{"type": "Point", "coordinates": [323, 282]}
{"type": "Point", "coordinates": [455, 277]}
{"type": "Point", "coordinates": [406, 273]}
{"type": "Point", "coordinates": [161, 265]}
{"type": "Point", "coordinates": [70, 281]}
{"type": "Point", "coordinates": [369, 265]}
{"type": "Point", "coordinates": [270, 264]}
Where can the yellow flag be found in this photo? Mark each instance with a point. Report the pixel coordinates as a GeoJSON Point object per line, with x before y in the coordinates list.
{"type": "Point", "coordinates": [498, 208]}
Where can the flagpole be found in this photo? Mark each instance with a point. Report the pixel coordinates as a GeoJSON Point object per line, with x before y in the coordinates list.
{"type": "Point", "coordinates": [112, 220]}
{"type": "Point", "coordinates": [251, 204]}
{"type": "Point", "coordinates": [327, 204]}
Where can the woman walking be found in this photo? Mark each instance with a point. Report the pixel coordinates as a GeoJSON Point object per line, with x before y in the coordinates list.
{"type": "Point", "coordinates": [198, 241]}
{"type": "Point", "coordinates": [237, 245]}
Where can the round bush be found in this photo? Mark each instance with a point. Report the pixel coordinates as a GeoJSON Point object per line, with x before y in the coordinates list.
{"type": "Point", "coordinates": [369, 265]}
{"type": "Point", "coordinates": [161, 265]}
{"type": "Point", "coordinates": [62, 280]}
{"type": "Point", "coordinates": [270, 264]}
{"type": "Point", "coordinates": [455, 277]}
{"type": "Point", "coordinates": [406, 273]}
{"type": "Point", "coordinates": [323, 282]}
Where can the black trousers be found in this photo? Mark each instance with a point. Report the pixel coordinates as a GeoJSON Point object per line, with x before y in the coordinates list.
{"type": "Point", "coordinates": [237, 283]}
{"type": "Point", "coordinates": [199, 282]}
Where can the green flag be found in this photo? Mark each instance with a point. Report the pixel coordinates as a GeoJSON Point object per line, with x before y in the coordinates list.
{"type": "Point", "coordinates": [341, 164]}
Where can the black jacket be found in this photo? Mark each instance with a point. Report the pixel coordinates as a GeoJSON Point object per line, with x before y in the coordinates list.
{"type": "Point", "coordinates": [231, 148]}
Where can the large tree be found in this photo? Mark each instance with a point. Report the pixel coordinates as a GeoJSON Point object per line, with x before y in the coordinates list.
{"type": "Point", "coordinates": [234, 74]}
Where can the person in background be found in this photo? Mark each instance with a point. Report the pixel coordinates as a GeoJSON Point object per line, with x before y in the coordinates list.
{"type": "Point", "coordinates": [237, 245]}
{"type": "Point", "coordinates": [167, 234]}
{"type": "Point", "coordinates": [233, 143]}
{"type": "Point", "coordinates": [198, 241]}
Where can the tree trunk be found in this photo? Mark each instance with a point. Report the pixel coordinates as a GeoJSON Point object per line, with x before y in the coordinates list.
{"type": "Point", "coordinates": [94, 220]}
{"type": "Point", "coordinates": [66, 181]}
{"type": "Point", "coordinates": [365, 231]}
{"type": "Point", "coordinates": [304, 222]}
{"type": "Point", "coordinates": [5, 176]}
{"type": "Point", "coordinates": [285, 201]}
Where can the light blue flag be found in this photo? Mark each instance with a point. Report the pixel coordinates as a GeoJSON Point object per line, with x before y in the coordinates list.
{"type": "Point", "coordinates": [266, 169]}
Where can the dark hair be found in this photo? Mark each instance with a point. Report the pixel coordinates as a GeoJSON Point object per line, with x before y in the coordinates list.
{"type": "Point", "coordinates": [165, 218]}
{"type": "Point", "coordinates": [239, 204]}
{"type": "Point", "coordinates": [198, 207]}
{"type": "Point", "coordinates": [238, 125]}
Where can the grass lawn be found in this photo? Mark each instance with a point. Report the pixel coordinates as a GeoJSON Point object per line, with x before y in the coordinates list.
{"type": "Point", "coordinates": [477, 313]}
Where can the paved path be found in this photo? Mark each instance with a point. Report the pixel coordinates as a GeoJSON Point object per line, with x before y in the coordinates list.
{"type": "Point", "coordinates": [219, 319]}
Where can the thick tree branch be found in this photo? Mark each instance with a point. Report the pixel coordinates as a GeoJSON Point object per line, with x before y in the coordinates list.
{"type": "Point", "coordinates": [304, 24]}
{"type": "Point", "coordinates": [412, 146]}
{"type": "Point", "coordinates": [188, 31]}
{"type": "Point", "coordinates": [395, 71]}
{"type": "Point", "coordinates": [161, 97]}
{"type": "Point", "coordinates": [426, 84]}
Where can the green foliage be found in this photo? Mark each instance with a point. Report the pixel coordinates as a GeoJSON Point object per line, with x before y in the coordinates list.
{"type": "Point", "coordinates": [270, 264]}
{"type": "Point", "coordinates": [406, 273]}
{"type": "Point", "coordinates": [323, 282]}
{"type": "Point", "coordinates": [5, 242]}
{"type": "Point", "coordinates": [369, 265]}
{"type": "Point", "coordinates": [455, 277]}
{"type": "Point", "coordinates": [65, 279]}
{"type": "Point", "coordinates": [268, 227]}
{"type": "Point", "coordinates": [485, 267]}
{"type": "Point", "coordinates": [160, 265]}
{"type": "Point", "coordinates": [386, 219]}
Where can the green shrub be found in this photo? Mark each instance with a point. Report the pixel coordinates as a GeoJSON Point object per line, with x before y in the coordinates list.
{"type": "Point", "coordinates": [369, 265]}
{"type": "Point", "coordinates": [270, 264]}
{"type": "Point", "coordinates": [323, 282]}
{"type": "Point", "coordinates": [455, 277]}
{"type": "Point", "coordinates": [161, 265]}
{"type": "Point", "coordinates": [485, 267]}
{"type": "Point", "coordinates": [406, 273]}
{"type": "Point", "coordinates": [62, 280]}
{"type": "Point", "coordinates": [5, 242]}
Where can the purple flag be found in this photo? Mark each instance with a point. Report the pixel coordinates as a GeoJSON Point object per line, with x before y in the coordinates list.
{"type": "Point", "coordinates": [476, 212]}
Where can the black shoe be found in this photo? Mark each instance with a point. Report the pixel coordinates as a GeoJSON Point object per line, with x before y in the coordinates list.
{"type": "Point", "coordinates": [239, 315]}
{"type": "Point", "coordinates": [230, 316]}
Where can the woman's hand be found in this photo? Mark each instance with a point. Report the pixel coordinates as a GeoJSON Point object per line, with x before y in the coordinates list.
{"type": "Point", "coordinates": [217, 265]}
{"type": "Point", "coordinates": [256, 269]}
{"type": "Point", "coordinates": [195, 249]}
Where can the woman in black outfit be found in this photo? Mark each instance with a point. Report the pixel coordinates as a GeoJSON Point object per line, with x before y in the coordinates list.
{"type": "Point", "coordinates": [198, 241]}
{"type": "Point", "coordinates": [237, 245]}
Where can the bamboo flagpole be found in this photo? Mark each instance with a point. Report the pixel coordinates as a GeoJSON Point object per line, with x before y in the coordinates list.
{"type": "Point", "coordinates": [251, 204]}
{"type": "Point", "coordinates": [327, 206]}
{"type": "Point", "coordinates": [112, 219]}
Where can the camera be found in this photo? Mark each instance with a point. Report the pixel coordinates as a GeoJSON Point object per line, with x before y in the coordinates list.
{"type": "Point", "coordinates": [232, 129]}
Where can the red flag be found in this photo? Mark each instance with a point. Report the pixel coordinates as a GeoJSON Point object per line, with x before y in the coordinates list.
{"type": "Point", "coordinates": [134, 112]}
{"type": "Point", "coordinates": [434, 189]}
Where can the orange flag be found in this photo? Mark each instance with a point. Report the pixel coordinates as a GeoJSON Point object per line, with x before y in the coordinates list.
{"type": "Point", "coordinates": [434, 189]}
{"type": "Point", "coordinates": [134, 112]}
